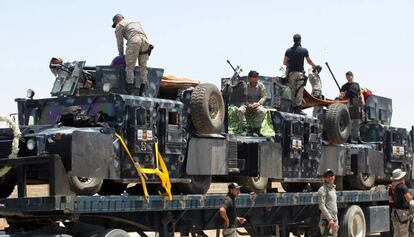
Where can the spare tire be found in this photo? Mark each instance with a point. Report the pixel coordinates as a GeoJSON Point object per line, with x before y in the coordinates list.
{"type": "Point", "coordinates": [254, 184]}
{"type": "Point", "coordinates": [207, 108]}
{"type": "Point", "coordinates": [85, 186]}
{"type": "Point", "coordinates": [337, 123]}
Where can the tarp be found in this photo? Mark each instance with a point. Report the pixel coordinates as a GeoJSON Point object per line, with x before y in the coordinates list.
{"type": "Point", "coordinates": [233, 122]}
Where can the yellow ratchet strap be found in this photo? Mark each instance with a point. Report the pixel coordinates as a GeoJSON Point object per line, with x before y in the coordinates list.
{"type": "Point", "coordinates": [139, 169]}
{"type": "Point", "coordinates": [162, 174]}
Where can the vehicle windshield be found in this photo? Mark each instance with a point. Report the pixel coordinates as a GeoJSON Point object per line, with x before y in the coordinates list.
{"type": "Point", "coordinates": [46, 112]}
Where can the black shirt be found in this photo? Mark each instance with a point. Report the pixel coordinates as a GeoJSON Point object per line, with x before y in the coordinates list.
{"type": "Point", "coordinates": [230, 205]}
{"type": "Point", "coordinates": [352, 90]}
{"type": "Point", "coordinates": [296, 55]}
{"type": "Point", "coordinates": [398, 197]}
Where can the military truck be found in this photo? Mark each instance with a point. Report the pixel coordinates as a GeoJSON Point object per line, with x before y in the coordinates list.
{"type": "Point", "coordinates": [90, 137]}
{"type": "Point", "coordinates": [93, 138]}
{"type": "Point", "coordinates": [303, 147]}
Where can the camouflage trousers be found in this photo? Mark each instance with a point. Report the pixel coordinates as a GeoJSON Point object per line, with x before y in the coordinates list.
{"type": "Point", "coordinates": [400, 229]}
{"type": "Point", "coordinates": [136, 45]}
{"type": "Point", "coordinates": [323, 227]}
{"type": "Point", "coordinates": [230, 232]}
{"type": "Point", "coordinates": [260, 113]}
{"type": "Point", "coordinates": [296, 81]}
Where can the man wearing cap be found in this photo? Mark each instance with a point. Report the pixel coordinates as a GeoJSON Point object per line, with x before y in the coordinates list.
{"type": "Point", "coordinates": [328, 223]}
{"type": "Point", "coordinates": [228, 211]}
{"type": "Point", "coordinates": [256, 97]}
{"type": "Point", "coordinates": [399, 198]}
{"type": "Point", "coordinates": [294, 60]}
{"type": "Point", "coordinates": [137, 49]}
{"type": "Point", "coordinates": [351, 91]}
{"type": "Point", "coordinates": [315, 81]}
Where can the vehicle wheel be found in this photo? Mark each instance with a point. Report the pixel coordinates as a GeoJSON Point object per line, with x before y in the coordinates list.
{"type": "Point", "coordinates": [109, 187]}
{"type": "Point", "coordinates": [352, 222]}
{"type": "Point", "coordinates": [85, 186]}
{"type": "Point", "coordinates": [7, 184]}
{"type": "Point", "coordinates": [315, 186]}
{"type": "Point", "coordinates": [337, 123]}
{"type": "Point", "coordinates": [207, 108]}
{"type": "Point", "coordinates": [293, 187]}
{"type": "Point", "coordinates": [361, 181]}
{"type": "Point", "coordinates": [253, 184]}
{"type": "Point", "coordinates": [114, 233]}
{"type": "Point", "coordinates": [199, 184]}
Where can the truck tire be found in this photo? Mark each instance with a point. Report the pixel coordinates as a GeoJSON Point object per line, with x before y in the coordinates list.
{"type": "Point", "coordinates": [207, 109]}
{"type": "Point", "coordinates": [293, 187]}
{"type": "Point", "coordinates": [352, 222]}
{"type": "Point", "coordinates": [199, 184]}
{"type": "Point", "coordinates": [253, 184]}
{"type": "Point", "coordinates": [361, 181]}
{"type": "Point", "coordinates": [337, 123]}
{"type": "Point", "coordinates": [114, 233]}
{"type": "Point", "coordinates": [7, 184]}
{"type": "Point", "coordinates": [85, 186]}
{"type": "Point", "coordinates": [109, 187]}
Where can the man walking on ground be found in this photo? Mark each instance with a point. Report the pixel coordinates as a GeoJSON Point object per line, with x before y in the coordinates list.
{"type": "Point", "coordinates": [399, 198]}
{"type": "Point", "coordinates": [351, 91]}
{"type": "Point", "coordinates": [328, 223]}
{"type": "Point", "coordinates": [256, 96]}
{"type": "Point", "coordinates": [294, 60]}
{"type": "Point", "coordinates": [228, 211]}
{"type": "Point", "coordinates": [138, 48]}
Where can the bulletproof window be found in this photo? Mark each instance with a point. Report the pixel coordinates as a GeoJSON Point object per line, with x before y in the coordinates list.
{"type": "Point", "coordinates": [140, 116]}
{"type": "Point", "coordinates": [372, 113]}
{"type": "Point", "coordinates": [383, 115]}
{"type": "Point", "coordinates": [173, 118]}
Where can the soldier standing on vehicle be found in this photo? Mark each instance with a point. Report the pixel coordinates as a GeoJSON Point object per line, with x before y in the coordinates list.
{"type": "Point", "coordinates": [315, 80]}
{"type": "Point", "coordinates": [399, 198]}
{"type": "Point", "coordinates": [328, 223]}
{"type": "Point", "coordinates": [256, 97]}
{"type": "Point", "coordinates": [351, 91]}
{"type": "Point", "coordinates": [137, 48]}
{"type": "Point", "coordinates": [294, 60]}
{"type": "Point", "coordinates": [228, 211]}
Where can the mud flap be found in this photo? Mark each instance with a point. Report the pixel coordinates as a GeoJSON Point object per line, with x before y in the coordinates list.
{"type": "Point", "coordinates": [93, 155]}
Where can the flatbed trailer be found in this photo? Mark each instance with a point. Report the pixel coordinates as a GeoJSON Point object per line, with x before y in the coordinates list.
{"type": "Point", "coordinates": [276, 214]}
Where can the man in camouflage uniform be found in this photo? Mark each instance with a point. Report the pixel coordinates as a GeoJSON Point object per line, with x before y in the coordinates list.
{"type": "Point", "coordinates": [256, 96]}
{"type": "Point", "coordinates": [315, 81]}
{"type": "Point", "coordinates": [294, 60]}
{"type": "Point", "coordinates": [137, 49]}
{"type": "Point", "coordinates": [328, 223]}
{"type": "Point", "coordinates": [399, 198]}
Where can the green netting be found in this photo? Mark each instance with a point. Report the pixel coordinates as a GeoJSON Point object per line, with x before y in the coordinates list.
{"type": "Point", "coordinates": [266, 128]}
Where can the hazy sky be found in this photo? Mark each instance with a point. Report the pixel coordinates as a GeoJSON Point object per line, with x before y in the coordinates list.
{"type": "Point", "coordinates": [194, 39]}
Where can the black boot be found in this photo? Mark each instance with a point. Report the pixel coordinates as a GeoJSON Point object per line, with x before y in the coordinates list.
{"type": "Point", "coordinates": [130, 89]}
{"type": "Point", "coordinates": [142, 89]}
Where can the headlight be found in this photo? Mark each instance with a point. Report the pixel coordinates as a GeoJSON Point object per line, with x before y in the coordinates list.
{"type": "Point", "coordinates": [106, 87]}
{"type": "Point", "coordinates": [30, 93]}
{"type": "Point", "coordinates": [31, 144]}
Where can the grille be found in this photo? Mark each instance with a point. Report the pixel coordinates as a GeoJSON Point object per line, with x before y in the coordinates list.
{"type": "Point", "coordinates": [5, 148]}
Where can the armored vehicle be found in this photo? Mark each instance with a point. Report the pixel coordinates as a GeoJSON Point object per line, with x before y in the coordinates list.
{"type": "Point", "coordinates": [90, 137]}
{"type": "Point", "coordinates": [93, 138]}
{"type": "Point", "coordinates": [302, 147]}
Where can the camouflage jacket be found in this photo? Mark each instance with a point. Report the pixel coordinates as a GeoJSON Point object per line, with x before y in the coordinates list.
{"type": "Point", "coordinates": [127, 30]}
{"type": "Point", "coordinates": [327, 202]}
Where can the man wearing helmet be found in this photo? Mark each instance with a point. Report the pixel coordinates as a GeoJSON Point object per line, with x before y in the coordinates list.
{"type": "Point", "coordinates": [137, 49]}
{"type": "Point", "coordinates": [294, 60]}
